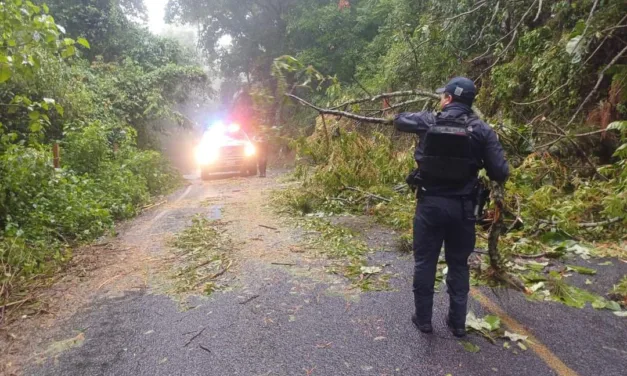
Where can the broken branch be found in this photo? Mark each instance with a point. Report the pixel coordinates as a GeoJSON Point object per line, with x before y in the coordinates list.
{"type": "Point", "coordinates": [601, 223]}
{"type": "Point", "coordinates": [194, 337]}
{"type": "Point", "coordinates": [369, 194]}
{"type": "Point", "coordinates": [268, 227]}
{"type": "Point", "coordinates": [249, 299]}
{"type": "Point", "coordinates": [349, 115]}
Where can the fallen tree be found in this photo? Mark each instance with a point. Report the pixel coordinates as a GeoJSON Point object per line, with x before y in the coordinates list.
{"type": "Point", "coordinates": [497, 228]}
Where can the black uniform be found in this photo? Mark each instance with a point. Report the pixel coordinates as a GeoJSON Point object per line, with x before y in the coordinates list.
{"type": "Point", "coordinates": [262, 154]}
{"type": "Point", "coordinates": [445, 212]}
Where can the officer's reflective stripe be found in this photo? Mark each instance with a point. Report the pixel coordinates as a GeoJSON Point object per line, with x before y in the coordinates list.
{"type": "Point", "coordinates": [541, 350]}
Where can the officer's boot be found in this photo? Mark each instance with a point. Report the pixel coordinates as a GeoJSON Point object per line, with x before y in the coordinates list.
{"type": "Point", "coordinates": [456, 317]}
{"type": "Point", "coordinates": [424, 309]}
{"type": "Point", "coordinates": [423, 327]}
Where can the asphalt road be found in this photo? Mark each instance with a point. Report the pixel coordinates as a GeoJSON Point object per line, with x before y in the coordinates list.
{"type": "Point", "coordinates": [277, 321]}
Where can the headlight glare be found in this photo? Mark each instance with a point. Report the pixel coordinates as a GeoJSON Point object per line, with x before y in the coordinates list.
{"type": "Point", "coordinates": [250, 150]}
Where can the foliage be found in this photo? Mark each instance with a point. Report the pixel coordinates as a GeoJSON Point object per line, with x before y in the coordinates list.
{"type": "Point", "coordinates": [102, 113]}
{"type": "Point", "coordinates": [619, 292]}
{"type": "Point", "coordinates": [204, 253]}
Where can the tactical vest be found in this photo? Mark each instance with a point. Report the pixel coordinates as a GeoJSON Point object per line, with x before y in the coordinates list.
{"type": "Point", "coordinates": [448, 158]}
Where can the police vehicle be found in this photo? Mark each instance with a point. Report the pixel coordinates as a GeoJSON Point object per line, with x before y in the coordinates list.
{"type": "Point", "coordinates": [226, 149]}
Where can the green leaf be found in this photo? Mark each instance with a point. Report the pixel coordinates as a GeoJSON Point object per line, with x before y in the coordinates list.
{"type": "Point", "coordinates": [470, 347]}
{"type": "Point", "coordinates": [537, 286]}
{"type": "Point", "coordinates": [579, 28]}
{"type": "Point", "coordinates": [605, 263]}
{"type": "Point", "coordinates": [621, 313]}
{"type": "Point", "coordinates": [68, 52]}
{"type": "Point", "coordinates": [34, 115]}
{"type": "Point", "coordinates": [581, 269]}
{"type": "Point", "coordinates": [35, 127]}
{"type": "Point", "coordinates": [621, 125]}
{"type": "Point", "coordinates": [59, 108]}
{"type": "Point", "coordinates": [514, 337]}
{"type": "Point", "coordinates": [370, 270]}
{"type": "Point", "coordinates": [5, 72]}
{"type": "Point", "coordinates": [612, 306]}
{"type": "Point", "coordinates": [575, 47]}
{"type": "Point", "coordinates": [522, 346]}
{"type": "Point", "coordinates": [599, 304]}
{"type": "Point", "coordinates": [83, 42]}
{"type": "Point", "coordinates": [493, 321]}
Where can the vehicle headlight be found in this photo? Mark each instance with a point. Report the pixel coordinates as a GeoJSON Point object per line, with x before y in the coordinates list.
{"type": "Point", "coordinates": [206, 156]}
{"type": "Point", "coordinates": [250, 150]}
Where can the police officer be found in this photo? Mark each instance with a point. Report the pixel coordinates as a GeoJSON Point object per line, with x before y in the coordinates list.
{"type": "Point", "coordinates": [261, 142]}
{"type": "Point", "coordinates": [454, 145]}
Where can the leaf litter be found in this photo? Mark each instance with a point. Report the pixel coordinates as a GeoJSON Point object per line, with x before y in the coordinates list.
{"type": "Point", "coordinates": [490, 328]}
{"type": "Point", "coordinates": [202, 253]}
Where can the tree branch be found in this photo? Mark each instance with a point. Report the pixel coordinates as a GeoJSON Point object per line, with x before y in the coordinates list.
{"type": "Point", "coordinates": [349, 115]}
{"type": "Point", "coordinates": [369, 194]}
{"type": "Point", "coordinates": [405, 93]}
{"type": "Point", "coordinates": [539, 11]}
{"type": "Point", "coordinates": [514, 30]}
{"type": "Point", "coordinates": [581, 66]}
{"type": "Point", "coordinates": [601, 223]}
{"type": "Point", "coordinates": [585, 30]}
{"type": "Point", "coordinates": [398, 105]}
{"type": "Point", "coordinates": [583, 153]}
{"type": "Point", "coordinates": [468, 12]}
{"type": "Point", "coordinates": [496, 9]}
{"type": "Point", "coordinates": [596, 87]}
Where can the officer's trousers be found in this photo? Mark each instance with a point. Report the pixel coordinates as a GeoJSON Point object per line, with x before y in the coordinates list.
{"type": "Point", "coordinates": [262, 157]}
{"type": "Point", "coordinates": [448, 220]}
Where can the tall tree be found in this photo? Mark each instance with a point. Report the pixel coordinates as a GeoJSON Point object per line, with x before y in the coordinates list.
{"type": "Point", "coordinates": [256, 28]}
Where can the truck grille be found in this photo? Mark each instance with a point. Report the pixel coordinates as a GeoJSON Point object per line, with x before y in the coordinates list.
{"type": "Point", "coordinates": [232, 152]}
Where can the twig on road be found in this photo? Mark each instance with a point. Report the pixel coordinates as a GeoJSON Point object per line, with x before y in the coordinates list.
{"type": "Point", "coordinates": [204, 348]}
{"type": "Point", "coordinates": [212, 277]}
{"type": "Point", "coordinates": [268, 227]}
{"type": "Point", "coordinates": [154, 205]}
{"type": "Point", "coordinates": [523, 256]}
{"type": "Point", "coordinates": [249, 299]}
{"type": "Point", "coordinates": [194, 337]}
{"type": "Point", "coordinates": [108, 280]}
{"type": "Point", "coordinates": [283, 263]}
{"type": "Point", "coordinates": [17, 302]}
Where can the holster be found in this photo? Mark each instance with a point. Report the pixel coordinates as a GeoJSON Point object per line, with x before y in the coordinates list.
{"type": "Point", "coordinates": [413, 180]}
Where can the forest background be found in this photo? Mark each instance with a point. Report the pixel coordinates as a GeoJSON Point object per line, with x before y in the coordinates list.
{"type": "Point", "coordinates": [87, 76]}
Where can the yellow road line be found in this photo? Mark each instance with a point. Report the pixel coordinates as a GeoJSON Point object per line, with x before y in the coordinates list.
{"type": "Point", "coordinates": [541, 350]}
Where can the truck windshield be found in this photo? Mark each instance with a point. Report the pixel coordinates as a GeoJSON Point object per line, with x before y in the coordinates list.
{"type": "Point", "coordinates": [236, 136]}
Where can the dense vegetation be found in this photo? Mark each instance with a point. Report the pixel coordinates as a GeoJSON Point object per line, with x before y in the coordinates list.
{"type": "Point", "coordinates": [82, 75]}
{"type": "Point", "coordinates": [552, 78]}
